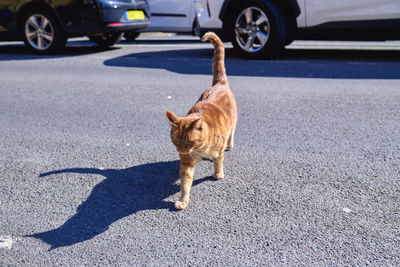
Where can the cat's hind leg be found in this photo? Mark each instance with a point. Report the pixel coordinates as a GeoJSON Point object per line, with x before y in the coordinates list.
{"type": "Point", "coordinates": [219, 166]}
{"type": "Point", "coordinates": [230, 140]}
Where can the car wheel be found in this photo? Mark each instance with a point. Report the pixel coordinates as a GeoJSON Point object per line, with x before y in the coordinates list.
{"type": "Point", "coordinates": [258, 29]}
{"type": "Point", "coordinates": [41, 31]}
{"type": "Point", "coordinates": [106, 39]}
{"type": "Point", "coordinates": [131, 35]}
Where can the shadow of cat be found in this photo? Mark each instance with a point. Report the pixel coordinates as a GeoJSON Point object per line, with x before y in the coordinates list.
{"type": "Point", "coordinates": [122, 193]}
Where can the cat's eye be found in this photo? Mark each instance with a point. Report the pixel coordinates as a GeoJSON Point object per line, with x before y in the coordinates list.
{"type": "Point", "coordinates": [199, 128]}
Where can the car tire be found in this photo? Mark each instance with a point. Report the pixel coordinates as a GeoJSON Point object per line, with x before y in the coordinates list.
{"type": "Point", "coordinates": [41, 31]}
{"type": "Point", "coordinates": [258, 29]}
{"type": "Point", "coordinates": [106, 39]}
{"type": "Point", "coordinates": [131, 35]}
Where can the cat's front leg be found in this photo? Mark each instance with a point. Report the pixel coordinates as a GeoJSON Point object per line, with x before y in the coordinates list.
{"type": "Point", "coordinates": [219, 166]}
{"type": "Point", "coordinates": [186, 177]}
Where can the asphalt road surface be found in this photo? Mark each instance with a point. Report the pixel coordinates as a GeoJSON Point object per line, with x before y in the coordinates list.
{"type": "Point", "coordinates": [89, 176]}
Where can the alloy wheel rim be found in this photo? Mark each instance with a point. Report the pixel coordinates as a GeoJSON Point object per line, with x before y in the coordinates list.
{"type": "Point", "coordinates": [252, 29]}
{"type": "Point", "coordinates": [39, 32]}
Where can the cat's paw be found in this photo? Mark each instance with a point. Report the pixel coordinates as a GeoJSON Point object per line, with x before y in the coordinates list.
{"type": "Point", "coordinates": [219, 175]}
{"type": "Point", "coordinates": [180, 205]}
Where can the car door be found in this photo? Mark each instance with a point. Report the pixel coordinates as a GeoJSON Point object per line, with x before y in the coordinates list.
{"type": "Point", "coordinates": [333, 11]}
{"type": "Point", "coordinates": [171, 15]}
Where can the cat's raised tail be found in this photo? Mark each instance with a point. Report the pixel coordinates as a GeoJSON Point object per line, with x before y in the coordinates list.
{"type": "Point", "coordinates": [218, 66]}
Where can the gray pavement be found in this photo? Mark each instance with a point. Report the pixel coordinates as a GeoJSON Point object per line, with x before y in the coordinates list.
{"type": "Point", "coordinates": [88, 174]}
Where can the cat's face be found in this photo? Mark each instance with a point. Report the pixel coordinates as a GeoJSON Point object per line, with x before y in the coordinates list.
{"type": "Point", "coordinates": [187, 134]}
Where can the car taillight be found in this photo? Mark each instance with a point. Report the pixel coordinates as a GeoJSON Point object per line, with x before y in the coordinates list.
{"type": "Point", "coordinates": [114, 24]}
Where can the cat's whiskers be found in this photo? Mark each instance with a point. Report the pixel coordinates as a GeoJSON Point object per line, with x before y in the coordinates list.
{"type": "Point", "coordinates": [196, 155]}
{"type": "Point", "coordinates": [192, 156]}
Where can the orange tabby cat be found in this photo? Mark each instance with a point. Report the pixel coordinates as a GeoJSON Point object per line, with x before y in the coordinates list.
{"type": "Point", "coordinates": [209, 127]}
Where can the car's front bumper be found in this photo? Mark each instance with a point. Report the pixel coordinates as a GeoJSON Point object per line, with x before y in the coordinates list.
{"type": "Point", "coordinates": [207, 13]}
{"type": "Point", "coordinates": [219, 31]}
{"type": "Point", "coordinates": [207, 20]}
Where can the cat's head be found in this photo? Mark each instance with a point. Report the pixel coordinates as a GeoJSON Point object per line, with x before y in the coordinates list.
{"type": "Point", "coordinates": [187, 133]}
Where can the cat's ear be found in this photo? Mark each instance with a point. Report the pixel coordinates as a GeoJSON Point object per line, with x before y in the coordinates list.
{"type": "Point", "coordinates": [172, 118]}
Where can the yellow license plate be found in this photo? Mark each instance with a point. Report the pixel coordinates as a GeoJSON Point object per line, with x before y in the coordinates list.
{"type": "Point", "coordinates": [135, 15]}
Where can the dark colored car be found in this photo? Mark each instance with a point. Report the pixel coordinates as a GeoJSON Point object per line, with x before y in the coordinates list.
{"type": "Point", "coordinates": [45, 25]}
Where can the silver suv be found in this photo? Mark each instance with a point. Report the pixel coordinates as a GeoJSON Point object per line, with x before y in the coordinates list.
{"type": "Point", "coordinates": [261, 28]}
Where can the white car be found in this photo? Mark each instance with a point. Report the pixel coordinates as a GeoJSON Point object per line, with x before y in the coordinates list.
{"type": "Point", "coordinates": [169, 16]}
{"type": "Point", "coordinates": [261, 28]}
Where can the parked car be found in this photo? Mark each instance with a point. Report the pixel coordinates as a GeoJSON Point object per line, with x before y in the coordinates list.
{"type": "Point", "coordinates": [261, 28]}
{"type": "Point", "coordinates": [45, 26]}
{"type": "Point", "coordinates": [169, 16]}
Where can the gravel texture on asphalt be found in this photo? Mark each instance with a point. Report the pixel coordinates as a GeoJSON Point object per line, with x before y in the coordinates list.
{"type": "Point", "coordinates": [88, 174]}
